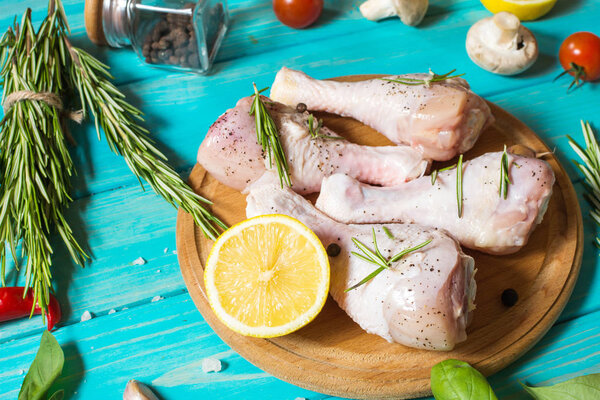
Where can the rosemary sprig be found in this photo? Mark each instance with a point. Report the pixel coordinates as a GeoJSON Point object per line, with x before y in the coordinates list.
{"type": "Point", "coordinates": [427, 81]}
{"type": "Point", "coordinates": [376, 258]}
{"type": "Point", "coordinates": [459, 185]}
{"type": "Point", "coordinates": [35, 164]}
{"type": "Point", "coordinates": [120, 122]}
{"type": "Point", "coordinates": [268, 137]}
{"type": "Point", "coordinates": [435, 172]}
{"type": "Point", "coordinates": [314, 130]}
{"type": "Point", "coordinates": [504, 178]}
{"type": "Point", "coordinates": [590, 169]}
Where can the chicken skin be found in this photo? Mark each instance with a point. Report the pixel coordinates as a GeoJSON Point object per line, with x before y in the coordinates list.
{"type": "Point", "coordinates": [424, 300]}
{"type": "Point", "coordinates": [489, 222]}
{"type": "Point", "coordinates": [441, 119]}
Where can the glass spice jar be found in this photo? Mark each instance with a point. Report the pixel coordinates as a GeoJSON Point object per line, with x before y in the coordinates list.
{"type": "Point", "coordinates": [174, 34]}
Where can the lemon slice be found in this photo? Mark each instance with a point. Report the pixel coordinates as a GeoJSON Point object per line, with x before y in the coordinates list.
{"type": "Point", "coordinates": [267, 276]}
{"type": "Point", "coordinates": [525, 10]}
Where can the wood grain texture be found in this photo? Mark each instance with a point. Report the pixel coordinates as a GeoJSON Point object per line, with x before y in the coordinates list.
{"type": "Point", "coordinates": [333, 355]}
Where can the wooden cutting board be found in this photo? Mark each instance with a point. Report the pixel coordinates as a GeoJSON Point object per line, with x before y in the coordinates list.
{"type": "Point", "coordinates": [333, 355]}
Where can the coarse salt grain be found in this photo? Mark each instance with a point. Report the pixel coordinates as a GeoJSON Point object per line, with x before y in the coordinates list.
{"type": "Point", "coordinates": [166, 250]}
{"type": "Point", "coordinates": [86, 316]}
{"type": "Point", "coordinates": [211, 365]}
{"type": "Point", "coordinates": [139, 261]}
{"type": "Point", "coordinates": [112, 311]}
{"type": "Point", "coordinates": [156, 298]}
{"type": "Point", "coordinates": [174, 251]}
{"type": "Point", "coordinates": [300, 398]}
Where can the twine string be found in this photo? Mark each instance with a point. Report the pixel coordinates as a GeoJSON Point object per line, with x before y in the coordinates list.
{"type": "Point", "coordinates": [47, 97]}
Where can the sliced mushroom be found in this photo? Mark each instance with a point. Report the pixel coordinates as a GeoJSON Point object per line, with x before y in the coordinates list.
{"type": "Point", "coordinates": [500, 44]}
{"type": "Point", "coordinates": [411, 12]}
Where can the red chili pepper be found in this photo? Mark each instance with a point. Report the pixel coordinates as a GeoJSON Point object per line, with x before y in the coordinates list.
{"type": "Point", "coordinates": [13, 306]}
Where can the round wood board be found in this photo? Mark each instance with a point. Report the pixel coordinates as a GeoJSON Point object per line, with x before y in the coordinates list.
{"type": "Point", "coordinates": [333, 355]}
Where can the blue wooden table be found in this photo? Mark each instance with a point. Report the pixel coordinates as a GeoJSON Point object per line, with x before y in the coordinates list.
{"type": "Point", "coordinates": [163, 342]}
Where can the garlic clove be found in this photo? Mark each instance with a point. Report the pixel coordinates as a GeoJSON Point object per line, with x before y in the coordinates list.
{"type": "Point", "coordinates": [138, 391]}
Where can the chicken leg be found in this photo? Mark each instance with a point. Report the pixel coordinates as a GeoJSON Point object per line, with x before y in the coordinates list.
{"type": "Point", "coordinates": [231, 153]}
{"type": "Point", "coordinates": [489, 222]}
{"type": "Point", "coordinates": [440, 120]}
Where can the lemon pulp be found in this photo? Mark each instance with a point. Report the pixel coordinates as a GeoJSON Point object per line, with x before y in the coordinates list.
{"type": "Point", "coordinates": [267, 276]}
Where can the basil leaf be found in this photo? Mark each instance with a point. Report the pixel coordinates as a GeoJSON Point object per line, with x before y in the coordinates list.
{"type": "Point", "coordinates": [45, 368]}
{"type": "Point", "coordinates": [580, 388]}
{"type": "Point", "coordinates": [457, 380]}
{"type": "Point", "coordinates": [58, 395]}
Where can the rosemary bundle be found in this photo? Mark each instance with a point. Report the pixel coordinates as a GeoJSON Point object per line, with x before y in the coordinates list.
{"type": "Point", "coordinates": [35, 164]}
{"type": "Point", "coordinates": [38, 70]}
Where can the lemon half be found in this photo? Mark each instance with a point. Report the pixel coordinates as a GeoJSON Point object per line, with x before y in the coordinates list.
{"type": "Point", "coordinates": [267, 276]}
{"type": "Point", "coordinates": [525, 10]}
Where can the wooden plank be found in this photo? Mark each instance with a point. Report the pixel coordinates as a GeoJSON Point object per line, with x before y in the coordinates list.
{"type": "Point", "coordinates": [163, 344]}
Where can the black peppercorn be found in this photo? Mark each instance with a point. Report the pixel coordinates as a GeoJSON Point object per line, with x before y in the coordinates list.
{"type": "Point", "coordinates": [301, 107]}
{"type": "Point", "coordinates": [333, 250]}
{"type": "Point", "coordinates": [172, 41]}
{"type": "Point", "coordinates": [510, 297]}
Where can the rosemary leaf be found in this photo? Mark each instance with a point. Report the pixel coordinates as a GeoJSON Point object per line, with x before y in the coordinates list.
{"type": "Point", "coordinates": [387, 232]}
{"type": "Point", "coordinates": [504, 178]}
{"type": "Point", "coordinates": [459, 185]}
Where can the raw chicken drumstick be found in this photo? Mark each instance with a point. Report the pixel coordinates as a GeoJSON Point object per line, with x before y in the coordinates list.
{"type": "Point", "coordinates": [231, 153]}
{"type": "Point", "coordinates": [424, 300]}
{"type": "Point", "coordinates": [441, 120]}
{"type": "Point", "coordinates": [489, 222]}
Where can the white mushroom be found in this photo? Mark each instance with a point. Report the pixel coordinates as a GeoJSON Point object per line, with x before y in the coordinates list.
{"type": "Point", "coordinates": [502, 45]}
{"type": "Point", "coordinates": [411, 12]}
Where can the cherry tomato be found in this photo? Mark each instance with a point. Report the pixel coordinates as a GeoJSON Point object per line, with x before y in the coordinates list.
{"type": "Point", "coordinates": [579, 55]}
{"type": "Point", "coordinates": [297, 13]}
